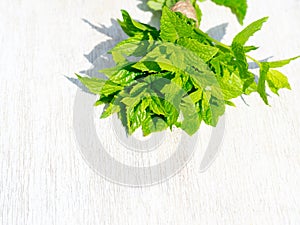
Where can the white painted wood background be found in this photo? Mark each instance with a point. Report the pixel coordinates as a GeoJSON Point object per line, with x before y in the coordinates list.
{"type": "Point", "coordinates": [43, 177]}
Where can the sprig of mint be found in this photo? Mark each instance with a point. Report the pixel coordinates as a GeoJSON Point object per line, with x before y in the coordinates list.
{"type": "Point", "coordinates": [237, 7]}
{"type": "Point", "coordinates": [179, 75]}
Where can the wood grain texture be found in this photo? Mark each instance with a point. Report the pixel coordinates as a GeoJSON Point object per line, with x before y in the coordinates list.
{"type": "Point", "coordinates": [43, 177]}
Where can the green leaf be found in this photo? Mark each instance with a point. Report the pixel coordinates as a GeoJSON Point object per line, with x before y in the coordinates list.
{"type": "Point", "coordinates": [172, 94]}
{"type": "Point", "coordinates": [172, 112]}
{"type": "Point", "coordinates": [111, 109]}
{"type": "Point", "coordinates": [135, 117]}
{"type": "Point", "coordinates": [245, 34]}
{"type": "Point", "coordinates": [149, 66]}
{"type": "Point", "coordinates": [138, 88]}
{"type": "Point", "coordinates": [261, 87]}
{"type": "Point", "coordinates": [198, 12]}
{"type": "Point", "coordinates": [205, 52]}
{"type": "Point", "coordinates": [196, 95]}
{"type": "Point", "coordinates": [191, 120]}
{"type": "Point", "coordinates": [133, 100]}
{"type": "Point", "coordinates": [132, 27]}
{"type": "Point", "coordinates": [157, 106]}
{"type": "Point", "coordinates": [211, 109]}
{"type": "Point", "coordinates": [248, 83]}
{"type": "Point", "coordinates": [104, 100]}
{"type": "Point", "coordinates": [153, 124]}
{"type": "Point", "coordinates": [93, 84]}
{"type": "Point", "coordinates": [230, 103]}
{"type": "Point", "coordinates": [110, 88]}
{"type": "Point", "coordinates": [231, 85]}
{"type": "Point", "coordinates": [252, 88]}
{"type": "Point", "coordinates": [170, 3]}
{"type": "Point", "coordinates": [276, 80]}
{"type": "Point", "coordinates": [137, 46]}
{"type": "Point", "coordinates": [156, 5]}
{"type": "Point", "coordinates": [281, 63]}
{"type": "Point", "coordinates": [124, 77]}
{"type": "Point", "coordinates": [238, 7]}
{"type": "Point", "coordinates": [114, 70]}
{"type": "Point", "coordinates": [221, 62]}
{"type": "Point", "coordinates": [145, 104]}
{"type": "Point", "coordinates": [173, 26]}
{"type": "Point", "coordinates": [249, 48]}
{"type": "Point", "coordinates": [241, 61]}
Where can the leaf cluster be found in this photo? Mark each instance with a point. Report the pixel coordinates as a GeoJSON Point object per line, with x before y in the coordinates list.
{"type": "Point", "coordinates": [178, 75]}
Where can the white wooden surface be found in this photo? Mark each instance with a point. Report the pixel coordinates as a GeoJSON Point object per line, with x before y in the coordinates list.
{"type": "Point", "coordinates": [43, 177]}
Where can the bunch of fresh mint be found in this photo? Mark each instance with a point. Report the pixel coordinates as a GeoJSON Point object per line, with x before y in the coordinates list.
{"type": "Point", "coordinates": [178, 75]}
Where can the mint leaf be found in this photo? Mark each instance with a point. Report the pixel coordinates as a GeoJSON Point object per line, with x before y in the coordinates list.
{"type": "Point", "coordinates": [137, 45]}
{"type": "Point", "coordinates": [110, 88]}
{"type": "Point", "coordinates": [196, 95]}
{"type": "Point", "coordinates": [124, 77]}
{"type": "Point", "coordinates": [156, 4]}
{"type": "Point", "coordinates": [261, 87]}
{"type": "Point", "coordinates": [114, 70]}
{"type": "Point", "coordinates": [249, 48]}
{"type": "Point", "coordinates": [132, 27]}
{"type": "Point", "coordinates": [241, 61]}
{"type": "Point", "coordinates": [250, 85]}
{"type": "Point", "coordinates": [276, 80]}
{"type": "Point", "coordinates": [281, 63]}
{"type": "Point", "coordinates": [245, 34]}
{"type": "Point", "coordinates": [93, 84]}
{"type": "Point", "coordinates": [230, 103]}
{"type": "Point", "coordinates": [191, 121]}
{"type": "Point", "coordinates": [238, 7]}
{"type": "Point", "coordinates": [157, 106]}
{"type": "Point", "coordinates": [111, 109]}
{"type": "Point", "coordinates": [205, 52]}
{"type": "Point", "coordinates": [174, 27]}
{"type": "Point", "coordinates": [211, 108]}
{"type": "Point", "coordinates": [198, 12]}
{"type": "Point", "coordinates": [231, 85]}
{"type": "Point", "coordinates": [135, 117]}
{"type": "Point", "coordinates": [153, 124]}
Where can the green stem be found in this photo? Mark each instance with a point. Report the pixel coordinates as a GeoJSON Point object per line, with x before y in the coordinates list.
{"type": "Point", "coordinates": [254, 60]}
{"type": "Point", "coordinates": [212, 39]}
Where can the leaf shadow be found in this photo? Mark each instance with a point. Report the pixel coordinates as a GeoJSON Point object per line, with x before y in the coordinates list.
{"type": "Point", "coordinates": [98, 56]}
{"type": "Point", "coordinates": [218, 32]}
{"type": "Point", "coordinates": [155, 18]}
